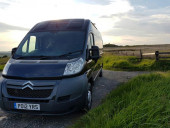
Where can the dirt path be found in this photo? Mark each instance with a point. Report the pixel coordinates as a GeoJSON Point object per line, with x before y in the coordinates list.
{"type": "Point", "coordinates": [102, 87]}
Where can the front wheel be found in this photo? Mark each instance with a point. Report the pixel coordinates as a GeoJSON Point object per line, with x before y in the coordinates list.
{"type": "Point", "coordinates": [88, 99]}
{"type": "Point", "coordinates": [101, 73]}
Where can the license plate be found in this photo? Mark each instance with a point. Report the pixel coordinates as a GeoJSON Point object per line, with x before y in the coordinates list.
{"type": "Point", "coordinates": [25, 106]}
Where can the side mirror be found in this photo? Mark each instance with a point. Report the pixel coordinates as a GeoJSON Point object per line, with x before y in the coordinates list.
{"type": "Point", "coordinates": [95, 53]}
{"type": "Point", "coordinates": [13, 51]}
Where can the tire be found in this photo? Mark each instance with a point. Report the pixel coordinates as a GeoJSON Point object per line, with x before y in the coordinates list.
{"type": "Point", "coordinates": [101, 73]}
{"type": "Point", "coordinates": [88, 99]}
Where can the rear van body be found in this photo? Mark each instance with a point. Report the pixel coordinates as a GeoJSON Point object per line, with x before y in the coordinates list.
{"type": "Point", "coordinates": [53, 69]}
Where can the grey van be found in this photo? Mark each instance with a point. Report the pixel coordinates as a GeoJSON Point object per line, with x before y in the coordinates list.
{"type": "Point", "coordinates": [53, 69]}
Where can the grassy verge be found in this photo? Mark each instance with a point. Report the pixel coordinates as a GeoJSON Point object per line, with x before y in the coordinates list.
{"type": "Point", "coordinates": [1, 67]}
{"type": "Point", "coordinates": [131, 63]}
{"type": "Point", "coordinates": [3, 62]}
{"type": "Point", "coordinates": [143, 102]}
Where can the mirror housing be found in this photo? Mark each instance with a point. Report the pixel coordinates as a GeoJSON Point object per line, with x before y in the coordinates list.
{"type": "Point", "coordinates": [95, 53]}
{"type": "Point", "coordinates": [13, 51]}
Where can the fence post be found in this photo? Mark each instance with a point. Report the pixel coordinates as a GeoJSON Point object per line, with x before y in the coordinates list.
{"type": "Point", "coordinates": [157, 55]}
{"type": "Point", "coordinates": [141, 56]}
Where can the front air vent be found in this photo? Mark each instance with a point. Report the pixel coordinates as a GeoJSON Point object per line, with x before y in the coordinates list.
{"type": "Point", "coordinates": [29, 93]}
{"type": "Point", "coordinates": [28, 62]}
{"type": "Point", "coordinates": [48, 62]}
{"type": "Point", "coordinates": [63, 98]}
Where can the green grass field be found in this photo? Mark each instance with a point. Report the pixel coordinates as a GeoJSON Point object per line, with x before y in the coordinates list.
{"type": "Point", "coordinates": [1, 67]}
{"type": "Point", "coordinates": [131, 63]}
{"type": "Point", "coordinates": [3, 62]}
{"type": "Point", "coordinates": [143, 102]}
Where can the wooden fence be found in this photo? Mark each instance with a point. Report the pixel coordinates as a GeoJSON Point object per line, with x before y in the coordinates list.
{"type": "Point", "coordinates": [157, 55]}
{"type": "Point", "coordinates": [139, 54]}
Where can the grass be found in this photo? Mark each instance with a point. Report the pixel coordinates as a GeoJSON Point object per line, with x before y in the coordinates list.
{"type": "Point", "coordinates": [1, 67]}
{"type": "Point", "coordinates": [143, 102]}
{"type": "Point", "coordinates": [131, 63]}
{"type": "Point", "coordinates": [3, 62]}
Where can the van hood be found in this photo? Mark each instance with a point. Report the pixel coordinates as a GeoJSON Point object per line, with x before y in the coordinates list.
{"type": "Point", "coordinates": [35, 68]}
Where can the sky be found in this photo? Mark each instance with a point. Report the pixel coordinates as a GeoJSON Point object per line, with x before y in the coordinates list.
{"type": "Point", "coordinates": [121, 22]}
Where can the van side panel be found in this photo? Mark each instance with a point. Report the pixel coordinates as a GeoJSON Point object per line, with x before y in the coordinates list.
{"type": "Point", "coordinates": [97, 42]}
{"type": "Point", "coordinates": [90, 65]}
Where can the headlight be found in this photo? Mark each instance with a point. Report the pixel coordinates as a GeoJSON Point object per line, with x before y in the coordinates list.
{"type": "Point", "coordinates": [74, 67]}
{"type": "Point", "coordinates": [5, 70]}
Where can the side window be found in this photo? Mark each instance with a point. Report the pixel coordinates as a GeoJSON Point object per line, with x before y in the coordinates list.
{"type": "Point", "coordinates": [24, 48]}
{"type": "Point", "coordinates": [90, 44]}
{"type": "Point", "coordinates": [32, 44]}
{"type": "Point", "coordinates": [90, 41]}
{"type": "Point", "coordinates": [29, 45]}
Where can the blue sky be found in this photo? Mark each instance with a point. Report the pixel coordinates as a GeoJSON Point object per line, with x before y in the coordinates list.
{"type": "Point", "coordinates": [152, 4]}
{"type": "Point", "coordinates": [122, 22]}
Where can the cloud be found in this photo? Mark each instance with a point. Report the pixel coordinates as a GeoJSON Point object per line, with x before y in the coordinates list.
{"type": "Point", "coordinates": [5, 27]}
{"type": "Point", "coordinates": [134, 21]}
{"type": "Point", "coordinates": [142, 25]}
{"type": "Point", "coordinates": [3, 5]}
{"type": "Point", "coordinates": [148, 22]}
{"type": "Point", "coordinates": [63, 9]}
{"type": "Point", "coordinates": [97, 2]}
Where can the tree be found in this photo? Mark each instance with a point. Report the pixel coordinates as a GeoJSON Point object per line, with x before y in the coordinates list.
{"type": "Point", "coordinates": [5, 56]}
{"type": "Point", "coordinates": [110, 45]}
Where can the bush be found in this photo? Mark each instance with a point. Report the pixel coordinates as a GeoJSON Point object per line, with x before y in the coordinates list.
{"type": "Point", "coordinates": [5, 56]}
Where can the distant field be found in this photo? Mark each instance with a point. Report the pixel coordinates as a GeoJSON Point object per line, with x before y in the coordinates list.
{"type": "Point", "coordinates": [135, 50]}
{"type": "Point", "coordinates": [144, 48]}
{"type": "Point", "coordinates": [5, 53]}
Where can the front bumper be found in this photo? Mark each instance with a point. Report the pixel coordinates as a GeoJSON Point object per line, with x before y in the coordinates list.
{"type": "Point", "coordinates": [50, 108]}
{"type": "Point", "coordinates": [67, 96]}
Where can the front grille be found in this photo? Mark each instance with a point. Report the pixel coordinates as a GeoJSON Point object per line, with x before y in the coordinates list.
{"type": "Point", "coordinates": [28, 93]}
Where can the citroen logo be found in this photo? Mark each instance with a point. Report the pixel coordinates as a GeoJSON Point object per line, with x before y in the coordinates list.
{"type": "Point", "coordinates": [28, 84]}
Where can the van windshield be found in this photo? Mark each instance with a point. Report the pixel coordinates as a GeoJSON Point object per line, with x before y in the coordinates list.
{"type": "Point", "coordinates": [48, 45]}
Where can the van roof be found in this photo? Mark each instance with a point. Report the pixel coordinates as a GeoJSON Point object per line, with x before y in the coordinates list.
{"type": "Point", "coordinates": [66, 24]}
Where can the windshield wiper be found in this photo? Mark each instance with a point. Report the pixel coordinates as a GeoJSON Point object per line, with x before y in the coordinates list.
{"type": "Point", "coordinates": [69, 53]}
{"type": "Point", "coordinates": [60, 56]}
